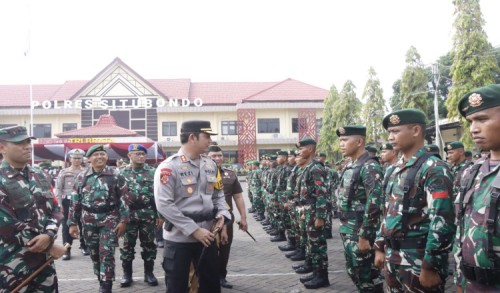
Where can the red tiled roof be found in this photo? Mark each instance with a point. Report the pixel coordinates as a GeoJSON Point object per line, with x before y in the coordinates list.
{"type": "Point", "coordinates": [225, 92]}
{"type": "Point", "coordinates": [19, 95]}
{"type": "Point", "coordinates": [289, 90]}
{"type": "Point", "coordinates": [172, 88]}
{"type": "Point", "coordinates": [106, 126]}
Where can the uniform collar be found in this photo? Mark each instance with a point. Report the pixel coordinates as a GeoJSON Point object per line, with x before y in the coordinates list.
{"type": "Point", "coordinates": [12, 172]}
{"type": "Point", "coordinates": [413, 158]}
{"type": "Point", "coordinates": [106, 171]}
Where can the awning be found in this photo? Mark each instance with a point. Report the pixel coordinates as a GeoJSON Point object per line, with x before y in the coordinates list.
{"type": "Point", "coordinates": [115, 151]}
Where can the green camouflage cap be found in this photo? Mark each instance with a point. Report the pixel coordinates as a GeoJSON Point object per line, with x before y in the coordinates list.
{"type": "Point", "coordinates": [282, 153]}
{"type": "Point", "coordinates": [14, 134]}
{"type": "Point", "coordinates": [305, 141]}
{"type": "Point", "coordinates": [351, 130]}
{"type": "Point", "coordinates": [454, 145]}
{"type": "Point", "coordinates": [480, 99]}
{"type": "Point", "coordinates": [386, 146]}
{"type": "Point", "coordinates": [93, 149]}
{"type": "Point", "coordinates": [432, 148]}
{"type": "Point", "coordinates": [403, 117]}
{"type": "Point", "coordinates": [468, 153]}
{"type": "Point", "coordinates": [371, 149]}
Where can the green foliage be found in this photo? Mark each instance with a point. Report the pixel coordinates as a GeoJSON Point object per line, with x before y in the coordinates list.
{"type": "Point", "coordinates": [474, 62]}
{"type": "Point", "coordinates": [373, 109]}
{"type": "Point", "coordinates": [414, 90]}
{"type": "Point", "coordinates": [396, 96]}
{"type": "Point", "coordinates": [327, 133]}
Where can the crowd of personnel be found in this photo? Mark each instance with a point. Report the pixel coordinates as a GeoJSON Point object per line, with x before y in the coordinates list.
{"type": "Point", "coordinates": [401, 213]}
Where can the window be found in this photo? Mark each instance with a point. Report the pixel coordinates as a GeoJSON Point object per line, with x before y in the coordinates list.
{"type": "Point", "coordinates": [138, 113]}
{"type": "Point", "coordinates": [169, 128]}
{"type": "Point", "coordinates": [229, 127]}
{"type": "Point", "coordinates": [295, 125]}
{"type": "Point", "coordinates": [269, 125]}
{"type": "Point", "coordinates": [42, 130]}
{"type": "Point", "coordinates": [138, 124]}
{"type": "Point", "coordinates": [69, 126]}
{"type": "Point", "coordinates": [230, 157]}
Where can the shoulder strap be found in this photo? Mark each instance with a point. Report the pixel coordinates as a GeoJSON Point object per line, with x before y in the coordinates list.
{"type": "Point", "coordinates": [353, 185]}
{"type": "Point", "coordinates": [386, 178]}
{"type": "Point", "coordinates": [408, 184]}
{"type": "Point", "coordinates": [491, 222]}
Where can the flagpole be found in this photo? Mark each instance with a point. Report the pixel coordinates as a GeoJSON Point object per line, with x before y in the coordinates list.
{"type": "Point", "coordinates": [27, 54]}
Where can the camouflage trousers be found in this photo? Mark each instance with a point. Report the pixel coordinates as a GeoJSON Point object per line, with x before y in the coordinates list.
{"type": "Point", "coordinates": [144, 229]}
{"type": "Point", "coordinates": [359, 265]}
{"type": "Point", "coordinates": [101, 242]}
{"type": "Point", "coordinates": [401, 278]}
{"type": "Point", "coordinates": [300, 226]}
{"type": "Point", "coordinates": [258, 203]}
{"type": "Point", "coordinates": [13, 271]}
{"type": "Point", "coordinates": [316, 247]}
{"type": "Point", "coordinates": [290, 227]}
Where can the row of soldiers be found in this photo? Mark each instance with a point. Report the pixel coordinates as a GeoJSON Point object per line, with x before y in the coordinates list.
{"type": "Point", "coordinates": [398, 223]}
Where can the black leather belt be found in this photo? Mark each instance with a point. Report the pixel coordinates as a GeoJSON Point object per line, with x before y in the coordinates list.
{"type": "Point", "coordinates": [483, 276]}
{"type": "Point", "coordinates": [352, 215]}
{"type": "Point", "coordinates": [407, 243]}
{"type": "Point", "coordinates": [99, 210]}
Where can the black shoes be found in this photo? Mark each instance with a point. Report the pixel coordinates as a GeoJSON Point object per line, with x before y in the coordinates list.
{"type": "Point", "coordinates": [127, 274]}
{"type": "Point", "coordinates": [307, 278]}
{"type": "Point", "coordinates": [292, 253]}
{"type": "Point", "coordinates": [319, 281]}
{"type": "Point", "coordinates": [149, 277]}
{"type": "Point", "coordinates": [279, 238]}
{"type": "Point", "coordinates": [305, 269]}
{"type": "Point", "coordinates": [225, 284]}
{"type": "Point", "coordinates": [84, 250]}
{"type": "Point", "coordinates": [67, 255]}
{"type": "Point", "coordinates": [298, 256]}
{"type": "Point", "coordinates": [287, 247]}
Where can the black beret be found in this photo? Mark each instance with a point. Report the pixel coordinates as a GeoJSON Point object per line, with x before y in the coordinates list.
{"type": "Point", "coordinates": [480, 99]}
{"type": "Point", "coordinates": [93, 149]}
{"type": "Point", "coordinates": [305, 141]}
{"type": "Point", "coordinates": [454, 145]}
{"type": "Point", "coordinates": [405, 116]}
{"type": "Point", "coordinates": [351, 130]}
{"type": "Point", "coordinates": [371, 149]}
{"type": "Point", "coordinates": [386, 146]}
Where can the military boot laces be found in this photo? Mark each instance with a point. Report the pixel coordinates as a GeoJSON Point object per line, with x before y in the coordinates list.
{"type": "Point", "coordinates": [319, 281]}
{"type": "Point", "coordinates": [149, 277]}
{"type": "Point", "coordinates": [127, 274]}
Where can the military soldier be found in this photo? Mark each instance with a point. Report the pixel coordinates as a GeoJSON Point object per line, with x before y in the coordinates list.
{"type": "Point", "coordinates": [433, 149]}
{"type": "Point", "coordinates": [29, 217]}
{"type": "Point", "coordinates": [189, 195]}
{"type": "Point", "coordinates": [359, 204]}
{"type": "Point", "coordinates": [232, 190]}
{"type": "Point", "coordinates": [64, 187]}
{"type": "Point", "coordinates": [388, 156]}
{"type": "Point", "coordinates": [143, 216]}
{"type": "Point", "coordinates": [477, 237]}
{"type": "Point", "coordinates": [468, 155]}
{"type": "Point", "coordinates": [282, 174]}
{"type": "Point", "coordinates": [372, 151]}
{"type": "Point", "coordinates": [313, 198]}
{"type": "Point", "coordinates": [416, 233]}
{"type": "Point", "coordinates": [288, 207]}
{"type": "Point", "coordinates": [456, 158]}
{"type": "Point", "coordinates": [255, 185]}
{"type": "Point", "coordinates": [100, 199]}
{"type": "Point", "coordinates": [249, 167]}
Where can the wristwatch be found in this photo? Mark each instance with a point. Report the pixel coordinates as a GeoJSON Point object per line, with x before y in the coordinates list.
{"type": "Point", "coordinates": [51, 234]}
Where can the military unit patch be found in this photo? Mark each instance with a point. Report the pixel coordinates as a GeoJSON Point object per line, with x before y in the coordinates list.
{"type": "Point", "coordinates": [165, 175]}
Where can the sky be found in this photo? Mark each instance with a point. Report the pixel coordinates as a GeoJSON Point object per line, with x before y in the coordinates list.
{"type": "Point", "coordinates": [320, 42]}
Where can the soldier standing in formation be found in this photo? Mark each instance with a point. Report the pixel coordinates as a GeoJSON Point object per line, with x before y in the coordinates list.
{"type": "Point", "coordinates": [359, 204]}
{"type": "Point", "coordinates": [232, 190]}
{"type": "Point", "coordinates": [29, 216]}
{"type": "Point", "coordinates": [189, 196]}
{"type": "Point", "coordinates": [288, 210]}
{"type": "Point", "coordinates": [312, 190]}
{"type": "Point", "coordinates": [64, 187]}
{"type": "Point", "coordinates": [282, 174]}
{"type": "Point", "coordinates": [456, 158]}
{"type": "Point", "coordinates": [255, 186]}
{"type": "Point", "coordinates": [143, 216]}
{"type": "Point", "coordinates": [477, 237]}
{"type": "Point", "coordinates": [100, 199]}
{"type": "Point", "coordinates": [417, 230]}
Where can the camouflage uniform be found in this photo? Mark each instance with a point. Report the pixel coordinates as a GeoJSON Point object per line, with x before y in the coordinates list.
{"type": "Point", "coordinates": [283, 172]}
{"type": "Point", "coordinates": [457, 171]}
{"type": "Point", "coordinates": [430, 209]}
{"type": "Point", "coordinates": [360, 217]}
{"type": "Point", "coordinates": [256, 187]}
{"type": "Point", "coordinates": [475, 247]}
{"type": "Point", "coordinates": [271, 184]}
{"type": "Point", "coordinates": [313, 192]}
{"type": "Point", "coordinates": [27, 209]}
{"type": "Point", "coordinates": [101, 201]}
{"type": "Point", "coordinates": [298, 228]}
{"type": "Point", "coordinates": [331, 183]}
{"type": "Point", "coordinates": [143, 214]}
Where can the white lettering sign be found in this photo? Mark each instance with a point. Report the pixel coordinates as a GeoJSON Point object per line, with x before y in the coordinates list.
{"type": "Point", "coordinates": [117, 103]}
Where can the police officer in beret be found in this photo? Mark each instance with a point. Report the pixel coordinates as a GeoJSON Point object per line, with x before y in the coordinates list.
{"type": "Point", "coordinates": [359, 203]}
{"type": "Point", "coordinates": [189, 195]}
{"type": "Point", "coordinates": [143, 216]}
{"type": "Point", "coordinates": [477, 237]}
{"type": "Point", "coordinates": [63, 189]}
{"type": "Point", "coordinates": [29, 217]}
{"type": "Point", "coordinates": [101, 200]}
{"type": "Point", "coordinates": [416, 232]}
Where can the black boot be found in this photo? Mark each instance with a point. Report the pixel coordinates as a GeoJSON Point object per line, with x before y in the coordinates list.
{"type": "Point", "coordinates": [67, 255]}
{"type": "Point", "coordinates": [328, 233]}
{"type": "Point", "coordinates": [296, 266]}
{"type": "Point", "coordinates": [127, 273]}
{"type": "Point", "coordinates": [251, 210]}
{"type": "Point", "coordinates": [106, 287]}
{"type": "Point", "coordinates": [305, 269]}
{"type": "Point", "coordinates": [149, 277]}
{"type": "Point", "coordinates": [290, 246]}
{"type": "Point", "coordinates": [307, 278]}
{"type": "Point", "coordinates": [279, 238]}
{"type": "Point", "coordinates": [265, 222]}
{"type": "Point", "coordinates": [299, 256]}
{"type": "Point", "coordinates": [273, 232]}
{"type": "Point", "coordinates": [335, 215]}
{"type": "Point", "coordinates": [319, 281]}
{"type": "Point", "coordinates": [290, 254]}
{"type": "Point", "coordinates": [379, 288]}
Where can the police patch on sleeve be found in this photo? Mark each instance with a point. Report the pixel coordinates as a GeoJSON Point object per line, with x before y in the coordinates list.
{"type": "Point", "coordinates": [165, 175]}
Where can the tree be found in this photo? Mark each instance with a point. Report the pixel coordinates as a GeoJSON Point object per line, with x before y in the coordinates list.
{"type": "Point", "coordinates": [474, 62]}
{"type": "Point", "coordinates": [396, 96]}
{"type": "Point", "coordinates": [374, 108]}
{"type": "Point", "coordinates": [346, 109]}
{"type": "Point", "coordinates": [414, 89]}
{"type": "Point", "coordinates": [327, 133]}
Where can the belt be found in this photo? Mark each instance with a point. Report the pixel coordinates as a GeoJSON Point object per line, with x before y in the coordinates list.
{"type": "Point", "coordinates": [407, 243]}
{"type": "Point", "coordinates": [308, 201]}
{"type": "Point", "coordinates": [351, 215]}
{"type": "Point", "coordinates": [99, 210]}
{"type": "Point", "coordinates": [483, 276]}
{"type": "Point", "coordinates": [140, 205]}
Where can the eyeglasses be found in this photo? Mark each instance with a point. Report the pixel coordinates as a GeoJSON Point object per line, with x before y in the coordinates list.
{"type": "Point", "coordinates": [139, 154]}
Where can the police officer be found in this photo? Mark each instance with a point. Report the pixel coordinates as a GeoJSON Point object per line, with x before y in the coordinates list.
{"type": "Point", "coordinates": [312, 190]}
{"type": "Point", "coordinates": [64, 187]}
{"type": "Point", "coordinates": [100, 199]}
{"type": "Point", "coordinates": [29, 216]}
{"type": "Point", "coordinates": [232, 190]}
{"type": "Point", "coordinates": [189, 195]}
{"type": "Point", "coordinates": [143, 216]}
{"type": "Point", "coordinates": [477, 237]}
{"type": "Point", "coordinates": [416, 233]}
{"type": "Point", "coordinates": [359, 204]}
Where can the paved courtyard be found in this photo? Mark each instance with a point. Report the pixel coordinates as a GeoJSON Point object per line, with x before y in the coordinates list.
{"type": "Point", "coordinates": [253, 268]}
